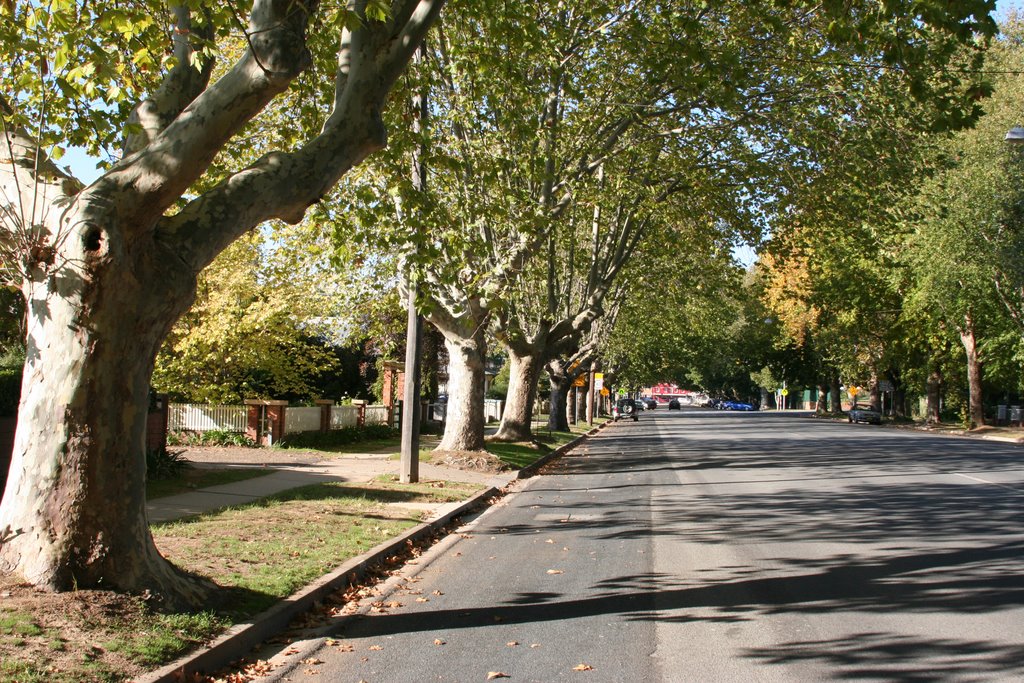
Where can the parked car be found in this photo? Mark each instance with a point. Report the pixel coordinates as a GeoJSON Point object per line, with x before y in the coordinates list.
{"type": "Point", "coordinates": [651, 403]}
{"type": "Point", "coordinates": [737, 405]}
{"type": "Point", "coordinates": [674, 404]}
{"type": "Point", "coordinates": [626, 408]}
{"type": "Point", "coordinates": [864, 414]}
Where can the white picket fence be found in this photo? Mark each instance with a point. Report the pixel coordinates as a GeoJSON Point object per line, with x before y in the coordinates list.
{"type": "Point", "coordinates": [377, 415]}
{"type": "Point", "coordinates": [198, 417]}
{"type": "Point", "coordinates": [302, 419]}
{"type": "Point", "coordinates": [344, 416]}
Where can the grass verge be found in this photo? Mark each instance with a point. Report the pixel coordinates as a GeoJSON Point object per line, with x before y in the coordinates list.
{"type": "Point", "coordinates": [519, 455]}
{"type": "Point", "coordinates": [257, 553]}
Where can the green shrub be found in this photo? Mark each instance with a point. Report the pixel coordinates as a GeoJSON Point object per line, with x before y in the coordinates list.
{"type": "Point", "coordinates": [337, 437]}
{"type": "Point", "coordinates": [164, 464]}
{"type": "Point", "coordinates": [213, 437]}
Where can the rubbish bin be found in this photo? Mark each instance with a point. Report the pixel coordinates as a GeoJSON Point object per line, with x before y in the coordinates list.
{"type": "Point", "coordinates": [1001, 414]}
{"type": "Point", "coordinates": [1015, 415]}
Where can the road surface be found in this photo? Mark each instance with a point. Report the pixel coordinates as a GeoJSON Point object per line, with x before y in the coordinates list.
{"type": "Point", "coordinates": [713, 546]}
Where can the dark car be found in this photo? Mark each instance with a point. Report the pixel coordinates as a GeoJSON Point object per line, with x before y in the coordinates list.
{"type": "Point", "coordinates": [626, 408]}
{"type": "Point", "coordinates": [864, 414]}
{"type": "Point", "coordinates": [674, 404]}
{"type": "Point", "coordinates": [651, 403]}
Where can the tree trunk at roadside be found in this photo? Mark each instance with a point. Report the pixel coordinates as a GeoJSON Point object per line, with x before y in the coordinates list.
{"type": "Point", "coordinates": [976, 409]}
{"type": "Point", "coordinates": [560, 383]}
{"type": "Point", "coordinates": [74, 507]}
{"type": "Point", "coordinates": [821, 407]}
{"type": "Point", "coordinates": [517, 418]}
{"type": "Point", "coordinates": [933, 408]}
{"type": "Point", "coordinates": [835, 395]}
{"type": "Point", "coordinates": [464, 421]}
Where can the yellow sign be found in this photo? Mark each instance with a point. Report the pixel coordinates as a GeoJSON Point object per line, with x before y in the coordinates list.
{"type": "Point", "coordinates": [599, 380]}
{"type": "Point", "coordinates": [605, 392]}
{"type": "Point", "coordinates": [853, 391]}
{"type": "Point", "coordinates": [784, 392]}
{"type": "Point", "coordinates": [581, 381]}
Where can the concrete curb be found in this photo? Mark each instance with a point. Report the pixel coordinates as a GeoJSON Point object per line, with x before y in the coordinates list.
{"type": "Point", "coordinates": [240, 639]}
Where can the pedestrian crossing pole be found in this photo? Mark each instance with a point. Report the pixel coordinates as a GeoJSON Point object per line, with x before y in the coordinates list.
{"type": "Point", "coordinates": [410, 472]}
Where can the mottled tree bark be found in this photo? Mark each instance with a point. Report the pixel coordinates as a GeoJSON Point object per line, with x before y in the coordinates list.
{"type": "Point", "coordinates": [464, 422]}
{"type": "Point", "coordinates": [560, 383]}
{"type": "Point", "coordinates": [933, 406]}
{"type": "Point", "coordinates": [976, 409]}
{"type": "Point", "coordinates": [835, 394]}
{"type": "Point", "coordinates": [108, 270]}
{"type": "Point", "coordinates": [821, 407]}
{"type": "Point", "coordinates": [517, 418]}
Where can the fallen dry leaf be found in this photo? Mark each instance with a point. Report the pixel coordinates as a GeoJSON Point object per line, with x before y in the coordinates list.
{"type": "Point", "coordinates": [311, 672]}
{"type": "Point", "coordinates": [312, 660]}
{"type": "Point", "coordinates": [583, 667]}
{"type": "Point", "coordinates": [511, 643]}
{"type": "Point", "coordinates": [375, 648]}
{"type": "Point", "coordinates": [491, 675]}
{"type": "Point", "coordinates": [438, 641]}
{"type": "Point", "coordinates": [550, 540]}
{"type": "Point", "coordinates": [394, 604]}
{"type": "Point", "coordinates": [437, 593]}
{"type": "Point", "coordinates": [422, 599]}
{"type": "Point", "coordinates": [534, 644]}
{"type": "Point", "coordinates": [555, 571]}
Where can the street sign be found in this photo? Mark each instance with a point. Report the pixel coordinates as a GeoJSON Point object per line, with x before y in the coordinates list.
{"type": "Point", "coordinates": [605, 392]}
{"type": "Point", "coordinates": [580, 381]}
{"type": "Point", "coordinates": [598, 380]}
{"type": "Point", "coordinates": [784, 392]}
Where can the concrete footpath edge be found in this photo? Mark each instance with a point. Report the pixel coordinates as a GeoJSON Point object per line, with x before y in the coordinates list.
{"type": "Point", "coordinates": [240, 639]}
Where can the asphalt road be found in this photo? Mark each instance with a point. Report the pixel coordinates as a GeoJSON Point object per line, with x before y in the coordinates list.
{"type": "Point", "coordinates": [713, 546]}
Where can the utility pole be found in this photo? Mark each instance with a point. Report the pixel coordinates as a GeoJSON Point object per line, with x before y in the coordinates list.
{"type": "Point", "coordinates": [414, 335]}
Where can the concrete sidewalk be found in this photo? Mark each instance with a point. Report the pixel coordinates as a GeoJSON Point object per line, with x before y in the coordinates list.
{"type": "Point", "coordinates": [350, 468]}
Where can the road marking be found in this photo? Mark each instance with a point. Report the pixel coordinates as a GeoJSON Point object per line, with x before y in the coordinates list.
{"type": "Point", "coordinates": [991, 483]}
{"type": "Point", "coordinates": [568, 516]}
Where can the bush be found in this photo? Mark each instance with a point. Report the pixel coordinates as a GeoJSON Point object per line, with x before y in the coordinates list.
{"type": "Point", "coordinates": [164, 464]}
{"type": "Point", "coordinates": [337, 437]}
{"type": "Point", "coordinates": [213, 437]}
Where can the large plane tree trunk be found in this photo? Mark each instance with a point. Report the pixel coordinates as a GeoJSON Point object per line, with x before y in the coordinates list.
{"type": "Point", "coordinates": [74, 505]}
{"type": "Point", "coordinates": [821, 407]}
{"type": "Point", "coordinates": [107, 269]}
{"type": "Point", "coordinates": [464, 421]}
{"type": "Point", "coordinates": [560, 383]}
{"type": "Point", "coordinates": [976, 409]}
{"type": "Point", "coordinates": [933, 393]}
{"type": "Point", "coordinates": [835, 393]}
{"type": "Point", "coordinates": [517, 418]}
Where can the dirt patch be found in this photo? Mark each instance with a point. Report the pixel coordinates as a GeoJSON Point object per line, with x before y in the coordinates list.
{"type": "Point", "coordinates": [68, 631]}
{"type": "Point", "coordinates": [473, 461]}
